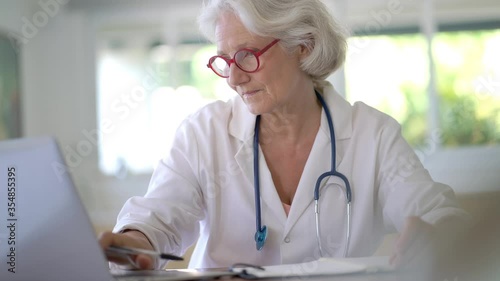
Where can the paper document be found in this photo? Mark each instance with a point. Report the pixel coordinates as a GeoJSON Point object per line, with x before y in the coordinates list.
{"type": "Point", "coordinates": [322, 266]}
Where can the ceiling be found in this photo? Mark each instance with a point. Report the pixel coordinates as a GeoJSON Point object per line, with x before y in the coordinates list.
{"type": "Point", "coordinates": [355, 14]}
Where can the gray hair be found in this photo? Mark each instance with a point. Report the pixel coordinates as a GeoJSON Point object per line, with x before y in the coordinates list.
{"type": "Point", "coordinates": [295, 22]}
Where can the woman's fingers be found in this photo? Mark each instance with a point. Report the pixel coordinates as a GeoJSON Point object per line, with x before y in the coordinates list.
{"type": "Point", "coordinates": [131, 240]}
{"type": "Point", "coordinates": [144, 262]}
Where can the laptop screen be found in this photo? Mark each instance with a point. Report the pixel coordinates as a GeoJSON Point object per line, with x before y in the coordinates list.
{"type": "Point", "coordinates": [45, 233]}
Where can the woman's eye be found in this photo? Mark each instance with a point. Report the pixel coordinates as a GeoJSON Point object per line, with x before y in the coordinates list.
{"type": "Point", "coordinates": [249, 54]}
{"type": "Point", "coordinates": [244, 55]}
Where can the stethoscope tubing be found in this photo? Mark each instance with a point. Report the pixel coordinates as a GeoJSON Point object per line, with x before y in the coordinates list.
{"type": "Point", "coordinates": [261, 232]}
{"type": "Point", "coordinates": [256, 175]}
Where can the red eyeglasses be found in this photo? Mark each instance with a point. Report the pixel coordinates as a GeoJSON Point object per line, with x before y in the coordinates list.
{"type": "Point", "coordinates": [245, 59]}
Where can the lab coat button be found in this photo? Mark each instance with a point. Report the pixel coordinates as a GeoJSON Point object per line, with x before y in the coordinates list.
{"type": "Point", "coordinates": [287, 239]}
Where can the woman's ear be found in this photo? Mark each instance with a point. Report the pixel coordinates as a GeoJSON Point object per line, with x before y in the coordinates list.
{"type": "Point", "coordinates": [305, 50]}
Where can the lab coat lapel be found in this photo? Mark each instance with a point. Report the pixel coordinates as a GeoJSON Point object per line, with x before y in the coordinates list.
{"type": "Point", "coordinates": [244, 158]}
{"type": "Point", "coordinates": [270, 201]}
{"type": "Point", "coordinates": [242, 127]}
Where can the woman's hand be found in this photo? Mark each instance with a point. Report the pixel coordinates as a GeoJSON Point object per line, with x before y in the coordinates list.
{"type": "Point", "coordinates": [415, 243]}
{"type": "Point", "coordinates": [132, 239]}
{"type": "Point", "coordinates": [421, 244]}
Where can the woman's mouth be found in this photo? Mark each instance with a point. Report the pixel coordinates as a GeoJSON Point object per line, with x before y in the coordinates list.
{"type": "Point", "coordinates": [249, 94]}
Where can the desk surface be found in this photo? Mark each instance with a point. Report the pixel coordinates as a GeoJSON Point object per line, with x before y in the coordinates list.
{"type": "Point", "coordinates": [392, 276]}
{"type": "Point", "coordinates": [402, 275]}
{"type": "Point", "coordinates": [433, 272]}
{"type": "Point", "coordinates": [382, 276]}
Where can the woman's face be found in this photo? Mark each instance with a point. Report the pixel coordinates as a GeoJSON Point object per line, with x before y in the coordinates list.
{"type": "Point", "coordinates": [279, 79]}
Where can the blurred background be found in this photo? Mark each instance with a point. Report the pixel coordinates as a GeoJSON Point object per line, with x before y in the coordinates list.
{"type": "Point", "coordinates": [112, 79]}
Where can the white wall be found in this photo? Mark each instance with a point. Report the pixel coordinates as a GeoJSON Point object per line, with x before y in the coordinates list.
{"type": "Point", "coordinates": [58, 94]}
{"type": "Point", "coordinates": [59, 98]}
{"type": "Point", "coordinates": [11, 12]}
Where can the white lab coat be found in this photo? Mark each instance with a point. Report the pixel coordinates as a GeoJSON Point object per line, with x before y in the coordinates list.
{"type": "Point", "coordinates": [203, 190]}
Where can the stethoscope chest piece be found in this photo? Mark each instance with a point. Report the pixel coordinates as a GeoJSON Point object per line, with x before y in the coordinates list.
{"type": "Point", "coordinates": [260, 237]}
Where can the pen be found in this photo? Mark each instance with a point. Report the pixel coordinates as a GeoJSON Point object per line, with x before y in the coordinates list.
{"type": "Point", "coordinates": [136, 251]}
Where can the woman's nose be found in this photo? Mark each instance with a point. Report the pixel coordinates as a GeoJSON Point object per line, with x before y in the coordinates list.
{"type": "Point", "coordinates": [236, 76]}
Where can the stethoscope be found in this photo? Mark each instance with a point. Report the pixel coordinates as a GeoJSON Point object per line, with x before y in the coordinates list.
{"type": "Point", "coordinates": [261, 231]}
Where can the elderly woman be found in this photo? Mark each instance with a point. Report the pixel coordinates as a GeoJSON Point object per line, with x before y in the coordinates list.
{"type": "Point", "coordinates": [287, 171]}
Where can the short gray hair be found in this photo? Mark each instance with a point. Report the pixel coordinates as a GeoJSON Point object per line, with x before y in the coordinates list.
{"type": "Point", "coordinates": [294, 22]}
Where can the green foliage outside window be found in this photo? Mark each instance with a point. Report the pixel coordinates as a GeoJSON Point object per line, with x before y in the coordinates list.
{"type": "Point", "coordinates": [467, 68]}
{"type": "Point", "coordinates": [468, 82]}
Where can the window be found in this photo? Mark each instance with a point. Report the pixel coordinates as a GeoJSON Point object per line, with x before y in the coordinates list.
{"type": "Point", "coordinates": [391, 73]}
{"type": "Point", "coordinates": [10, 97]}
{"type": "Point", "coordinates": [468, 82]}
{"type": "Point", "coordinates": [377, 72]}
{"type": "Point", "coordinates": [145, 89]}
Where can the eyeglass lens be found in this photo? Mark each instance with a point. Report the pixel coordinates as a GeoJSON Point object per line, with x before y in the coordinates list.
{"type": "Point", "coordinates": [244, 59]}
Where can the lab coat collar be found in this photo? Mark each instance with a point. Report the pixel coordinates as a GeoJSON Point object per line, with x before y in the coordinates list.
{"type": "Point", "coordinates": [341, 112]}
{"type": "Point", "coordinates": [242, 127]}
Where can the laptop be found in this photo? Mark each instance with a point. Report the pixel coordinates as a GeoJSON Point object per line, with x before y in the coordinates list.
{"type": "Point", "coordinates": [45, 232]}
